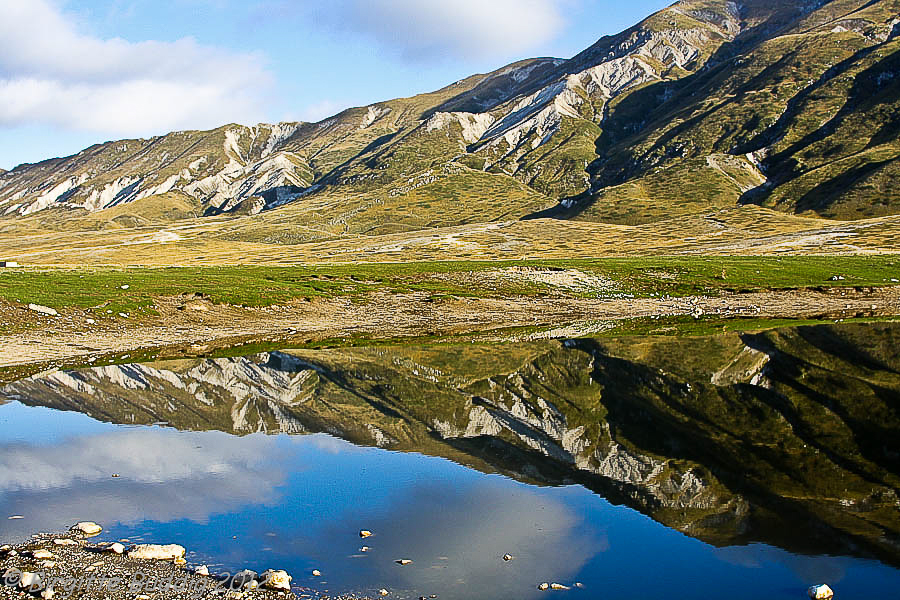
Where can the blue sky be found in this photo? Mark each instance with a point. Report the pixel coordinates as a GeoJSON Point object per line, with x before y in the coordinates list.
{"type": "Point", "coordinates": [74, 73]}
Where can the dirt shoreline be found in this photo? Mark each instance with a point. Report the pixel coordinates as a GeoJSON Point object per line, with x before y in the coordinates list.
{"type": "Point", "coordinates": [199, 326]}
{"type": "Point", "coordinates": [71, 565]}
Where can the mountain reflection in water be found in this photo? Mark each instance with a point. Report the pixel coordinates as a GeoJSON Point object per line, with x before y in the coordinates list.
{"type": "Point", "coordinates": [787, 438]}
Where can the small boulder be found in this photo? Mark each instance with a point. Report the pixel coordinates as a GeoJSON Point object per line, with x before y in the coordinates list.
{"type": "Point", "coordinates": [544, 587]}
{"type": "Point", "coordinates": [65, 542]}
{"type": "Point", "coordinates": [558, 586]}
{"type": "Point", "coordinates": [242, 578]}
{"type": "Point", "coordinates": [157, 552]}
{"type": "Point", "coordinates": [202, 570]}
{"type": "Point", "coordinates": [116, 547]}
{"type": "Point", "coordinates": [30, 581]}
{"type": "Point", "coordinates": [276, 580]}
{"type": "Point", "coordinates": [87, 528]}
{"type": "Point", "coordinates": [42, 554]}
{"type": "Point", "coordinates": [44, 310]}
{"type": "Point", "coordinates": [820, 592]}
{"type": "Point", "coordinates": [403, 561]}
{"type": "Point", "coordinates": [365, 533]}
{"type": "Point", "coordinates": [316, 573]}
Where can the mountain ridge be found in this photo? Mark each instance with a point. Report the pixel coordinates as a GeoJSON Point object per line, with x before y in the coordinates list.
{"type": "Point", "coordinates": [704, 105]}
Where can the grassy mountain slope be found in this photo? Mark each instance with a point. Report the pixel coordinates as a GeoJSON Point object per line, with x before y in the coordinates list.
{"type": "Point", "coordinates": [705, 105]}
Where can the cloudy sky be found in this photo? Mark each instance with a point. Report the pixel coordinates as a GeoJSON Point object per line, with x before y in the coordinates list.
{"type": "Point", "coordinates": [78, 72]}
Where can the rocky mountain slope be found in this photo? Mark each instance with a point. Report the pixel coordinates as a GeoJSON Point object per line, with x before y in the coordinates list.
{"type": "Point", "coordinates": [707, 104]}
{"type": "Point", "coordinates": [759, 427]}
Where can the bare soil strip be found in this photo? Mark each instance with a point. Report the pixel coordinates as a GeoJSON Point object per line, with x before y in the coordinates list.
{"type": "Point", "coordinates": [200, 325]}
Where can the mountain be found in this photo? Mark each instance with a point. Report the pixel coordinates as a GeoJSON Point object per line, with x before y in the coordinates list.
{"type": "Point", "coordinates": [705, 105]}
{"type": "Point", "coordinates": [727, 438]}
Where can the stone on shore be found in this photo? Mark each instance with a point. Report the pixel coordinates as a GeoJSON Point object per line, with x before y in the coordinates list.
{"type": "Point", "coordinates": [44, 310]}
{"type": "Point", "coordinates": [403, 561]}
{"type": "Point", "coordinates": [87, 528]}
{"type": "Point", "coordinates": [202, 570]}
{"type": "Point", "coordinates": [820, 592]}
{"type": "Point", "coordinates": [365, 533]}
{"type": "Point", "coordinates": [116, 547]}
{"type": "Point", "coordinates": [65, 542]}
{"type": "Point", "coordinates": [276, 580]}
{"type": "Point", "coordinates": [157, 551]}
{"type": "Point", "coordinates": [42, 554]}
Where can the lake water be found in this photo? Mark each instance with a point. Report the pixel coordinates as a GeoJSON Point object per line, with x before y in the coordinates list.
{"type": "Point", "coordinates": [738, 465]}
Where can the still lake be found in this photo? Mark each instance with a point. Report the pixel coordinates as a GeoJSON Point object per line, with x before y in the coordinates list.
{"type": "Point", "coordinates": [744, 465]}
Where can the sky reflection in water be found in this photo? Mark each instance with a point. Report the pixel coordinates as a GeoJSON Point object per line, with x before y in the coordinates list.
{"type": "Point", "coordinates": [297, 502]}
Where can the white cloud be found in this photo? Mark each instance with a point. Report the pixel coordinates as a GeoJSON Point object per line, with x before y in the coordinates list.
{"type": "Point", "coordinates": [470, 29]}
{"type": "Point", "coordinates": [52, 74]}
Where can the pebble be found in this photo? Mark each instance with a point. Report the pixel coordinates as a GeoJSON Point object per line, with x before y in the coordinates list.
{"type": "Point", "coordinates": [316, 573]}
{"type": "Point", "coordinates": [544, 587]}
{"type": "Point", "coordinates": [383, 592]}
{"type": "Point", "coordinates": [364, 549]}
{"type": "Point", "coordinates": [507, 557]}
{"type": "Point", "coordinates": [403, 561]}
{"type": "Point", "coordinates": [558, 586]}
{"type": "Point", "coordinates": [365, 533]}
{"type": "Point", "coordinates": [87, 527]}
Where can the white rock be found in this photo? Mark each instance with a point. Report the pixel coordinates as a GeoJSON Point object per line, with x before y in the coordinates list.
{"type": "Point", "coordinates": [365, 533]}
{"type": "Point", "coordinates": [48, 593]}
{"type": "Point", "coordinates": [41, 554]}
{"type": "Point", "coordinates": [202, 570]}
{"type": "Point", "coordinates": [125, 287]}
{"type": "Point", "coordinates": [364, 549]}
{"type": "Point", "coordinates": [5, 548]}
{"type": "Point", "coordinates": [316, 573]}
{"type": "Point", "coordinates": [544, 587]}
{"type": "Point", "coordinates": [276, 579]}
{"type": "Point", "coordinates": [383, 592]}
{"type": "Point", "coordinates": [65, 542]}
{"type": "Point", "coordinates": [558, 586]}
{"type": "Point", "coordinates": [403, 561]}
{"type": "Point", "coordinates": [820, 592]}
{"type": "Point", "coordinates": [45, 310]}
{"type": "Point", "coordinates": [30, 581]}
{"type": "Point", "coordinates": [117, 548]}
{"type": "Point", "coordinates": [156, 552]}
{"type": "Point", "coordinates": [87, 528]}
{"type": "Point", "coordinates": [15, 517]}
{"type": "Point", "coordinates": [47, 564]}
{"type": "Point", "coordinates": [507, 557]}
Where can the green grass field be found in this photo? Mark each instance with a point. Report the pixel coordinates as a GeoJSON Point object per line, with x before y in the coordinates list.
{"type": "Point", "coordinates": [88, 288]}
